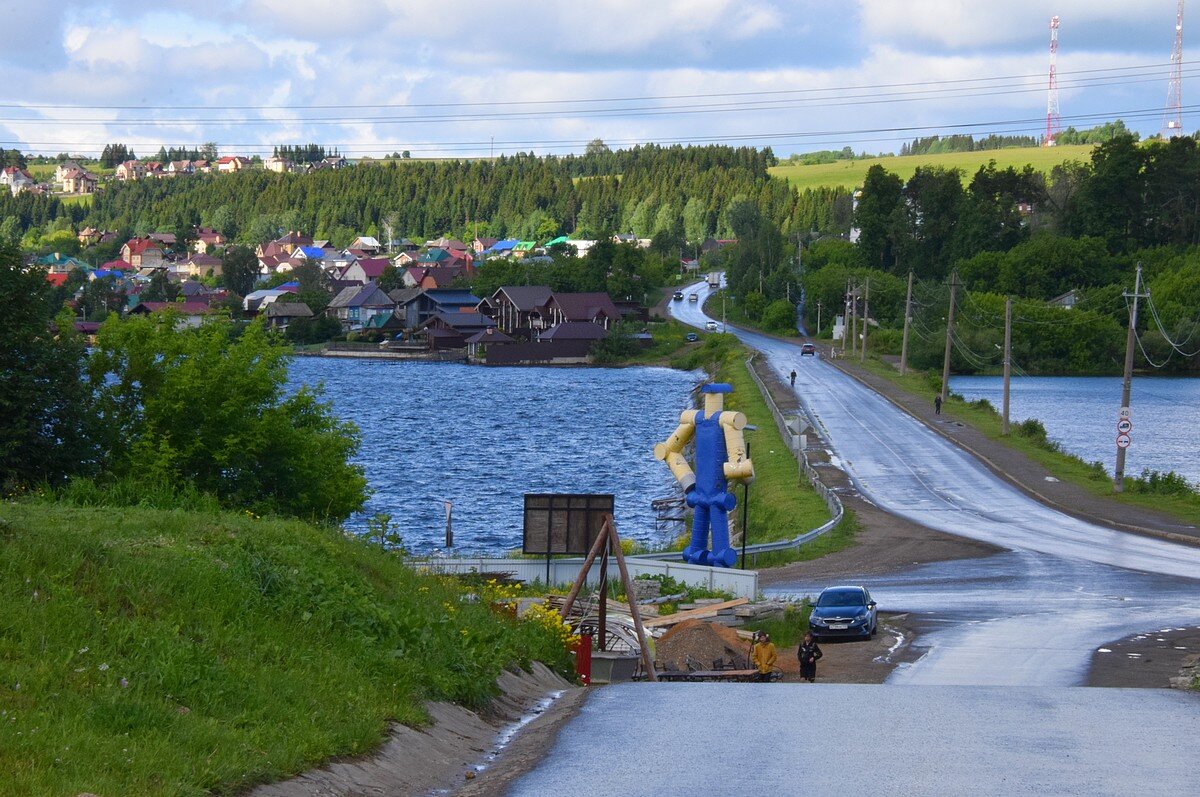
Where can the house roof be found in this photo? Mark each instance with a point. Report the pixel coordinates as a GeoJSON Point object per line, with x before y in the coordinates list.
{"type": "Point", "coordinates": [138, 246]}
{"type": "Point", "coordinates": [386, 320]}
{"type": "Point", "coordinates": [562, 239]}
{"type": "Point", "coordinates": [585, 306]}
{"type": "Point", "coordinates": [288, 310]}
{"type": "Point", "coordinates": [463, 321]}
{"type": "Point", "coordinates": [313, 252]}
{"type": "Point", "coordinates": [574, 330]}
{"type": "Point", "coordinates": [57, 280]}
{"type": "Point", "coordinates": [442, 275]}
{"type": "Point", "coordinates": [503, 245]}
{"type": "Point", "coordinates": [526, 297]}
{"type": "Point", "coordinates": [203, 260]}
{"type": "Point", "coordinates": [451, 298]}
{"type": "Point", "coordinates": [489, 335]}
{"type": "Point", "coordinates": [367, 295]}
{"type": "Point", "coordinates": [115, 265]}
{"type": "Point", "coordinates": [368, 241]}
{"type": "Point", "coordinates": [163, 237]}
{"type": "Point", "coordinates": [185, 308]}
{"type": "Point", "coordinates": [372, 266]}
{"type": "Point", "coordinates": [486, 243]}
{"type": "Point", "coordinates": [402, 296]}
{"type": "Point", "coordinates": [525, 246]}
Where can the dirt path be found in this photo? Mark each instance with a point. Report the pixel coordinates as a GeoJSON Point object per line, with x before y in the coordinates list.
{"type": "Point", "coordinates": [858, 662]}
{"type": "Point", "coordinates": [1149, 660]}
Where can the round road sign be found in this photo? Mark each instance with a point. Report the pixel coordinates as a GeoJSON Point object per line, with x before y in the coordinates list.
{"type": "Point", "coordinates": [1124, 426]}
{"type": "Point", "coordinates": [1123, 441]}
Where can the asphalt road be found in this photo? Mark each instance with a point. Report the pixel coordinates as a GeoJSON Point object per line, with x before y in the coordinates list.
{"type": "Point", "coordinates": [1033, 616]}
{"type": "Point", "coordinates": [695, 740]}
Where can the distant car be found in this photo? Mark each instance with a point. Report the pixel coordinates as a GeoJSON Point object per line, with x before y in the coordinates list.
{"type": "Point", "coordinates": [843, 612]}
{"type": "Point", "coordinates": [691, 337]}
{"type": "Point", "coordinates": [808, 349]}
{"type": "Point", "coordinates": [695, 297]}
{"type": "Point", "coordinates": [678, 296]}
{"type": "Point", "coordinates": [711, 326]}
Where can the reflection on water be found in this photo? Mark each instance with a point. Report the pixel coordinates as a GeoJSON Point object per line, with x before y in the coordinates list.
{"type": "Point", "coordinates": [482, 437]}
{"type": "Point", "coordinates": [1081, 414]}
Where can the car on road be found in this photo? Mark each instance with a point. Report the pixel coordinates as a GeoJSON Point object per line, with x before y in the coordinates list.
{"type": "Point", "coordinates": [711, 326]}
{"type": "Point", "coordinates": [678, 296]}
{"type": "Point", "coordinates": [808, 349]}
{"type": "Point", "coordinates": [691, 337]}
{"type": "Point", "coordinates": [695, 297]}
{"type": "Point", "coordinates": [845, 611]}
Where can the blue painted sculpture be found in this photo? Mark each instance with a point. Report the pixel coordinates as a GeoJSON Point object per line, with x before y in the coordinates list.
{"type": "Point", "coordinates": [720, 459]}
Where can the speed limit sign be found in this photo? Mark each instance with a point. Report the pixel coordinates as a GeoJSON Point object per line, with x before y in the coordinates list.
{"type": "Point", "coordinates": [1123, 441]}
{"type": "Point", "coordinates": [1124, 426]}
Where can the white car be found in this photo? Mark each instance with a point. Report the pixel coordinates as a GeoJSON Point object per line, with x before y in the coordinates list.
{"type": "Point", "coordinates": [695, 297]}
{"type": "Point", "coordinates": [711, 326]}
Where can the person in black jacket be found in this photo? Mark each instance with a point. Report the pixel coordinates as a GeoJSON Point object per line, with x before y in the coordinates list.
{"type": "Point", "coordinates": [809, 651]}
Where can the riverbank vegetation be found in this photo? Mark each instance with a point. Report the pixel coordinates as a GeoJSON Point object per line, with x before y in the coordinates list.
{"type": "Point", "coordinates": [1169, 493]}
{"type": "Point", "coordinates": [150, 652]}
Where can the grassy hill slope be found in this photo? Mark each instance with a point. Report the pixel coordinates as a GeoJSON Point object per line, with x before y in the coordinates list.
{"type": "Point", "coordinates": [173, 653]}
{"type": "Point", "coordinates": [850, 173]}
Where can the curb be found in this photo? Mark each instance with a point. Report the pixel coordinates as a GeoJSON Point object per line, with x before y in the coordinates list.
{"type": "Point", "coordinates": [1024, 488]}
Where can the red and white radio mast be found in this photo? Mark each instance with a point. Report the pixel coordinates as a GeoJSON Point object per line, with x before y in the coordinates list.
{"type": "Point", "coordinates": [1053, 119]}
{"type": "Point", "coordinates": [1173, 117]}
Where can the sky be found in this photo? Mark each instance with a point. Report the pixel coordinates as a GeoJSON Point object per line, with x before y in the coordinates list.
{"type": "Point", "coordinates": [475, 77]}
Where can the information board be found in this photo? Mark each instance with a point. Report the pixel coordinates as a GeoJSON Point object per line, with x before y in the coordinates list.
{"type": "Point", "coordinates": [563, 523]}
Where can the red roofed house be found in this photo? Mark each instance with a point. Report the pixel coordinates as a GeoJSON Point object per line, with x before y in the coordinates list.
{"type": "Point", "coordinates": [57, 280]}
{"type": "Point", "coordinates": [17, 180]}
{"type": "Point", "coordinates": [364, 270]}
{"type": "Point", "coordinates": [207, 238]}
{"type": "Point", "coordinates": [79, 181]}
{"type": "Point", "coordinates": [433, 277]}
{"type": "Point", "coordinates": [142, 253]}
{"type": "Point", "coordinates": [233, 163]}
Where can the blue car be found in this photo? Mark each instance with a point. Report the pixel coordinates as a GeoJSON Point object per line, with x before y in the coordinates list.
{"type": "Point", "coordinates": [843, 612]}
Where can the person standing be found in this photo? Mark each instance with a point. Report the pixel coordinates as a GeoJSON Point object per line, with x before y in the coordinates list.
{"type": "Point", "coordinates": [764, 656]}
{"type": "Point", "coordinates": [808, 652]}
{"type": "Point", "coordinates": [793, 377]}
{"type": "Point", "coordinates": [937, 404]}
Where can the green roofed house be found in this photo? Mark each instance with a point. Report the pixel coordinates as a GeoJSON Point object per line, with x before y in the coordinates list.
{"type": "Point", "coordinates": [524, 248]}
{"type": "Point", "coordinates": [562, 239]}
{"type": "Point", "coordinates": [58, 263]}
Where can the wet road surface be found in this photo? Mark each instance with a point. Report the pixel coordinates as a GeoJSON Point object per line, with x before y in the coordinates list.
{"type": "Point", "coordinates": [783, 739]}
{"type": "Point", "coordinates": [1029, 617]}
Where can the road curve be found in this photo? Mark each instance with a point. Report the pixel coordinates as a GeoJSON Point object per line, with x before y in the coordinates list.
{"type": "Point", "coordinates": [1032, 616]}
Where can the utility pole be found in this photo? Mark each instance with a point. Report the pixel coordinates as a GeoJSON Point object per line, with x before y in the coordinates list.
{"type": "Point", "coordinates": [1119, 472]}
{"type": "Point", "coordinates": [907, 321]}
{"type": "Point", "coordinates": [846, 318]}
{"type": "Point", "coordinates": [818, 316]}
{"type": "Point", "coordinates": [1007, 363]}
{"type": "Point", "coordinates": [866, 320]}
{"type": "Point", "coordinates": [854, 320]}
{"type": "Point", "coordinates": [949, 338]}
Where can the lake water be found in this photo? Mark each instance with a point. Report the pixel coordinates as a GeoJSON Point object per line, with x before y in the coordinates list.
{"type": "Point", "coordinates": [483, 437]}
{"type": "Point", "coordinates": [1081, 414]}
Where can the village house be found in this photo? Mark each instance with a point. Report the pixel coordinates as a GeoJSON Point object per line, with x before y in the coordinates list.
{"type": "Point", "coordinates": [277, 164]}
{"type": "Point", "coordinates": [17, 180]}
{"type": "Point", "coordinates": [364, 270]}
{"type": "Point", "coordinates": [62, 169]}
{"type": "Point", "coordinates": [155, 169]}
{"type": "Point", "coordinates": [573, 330]}
{"type": "Point", "coordinates": [519, 309]}
{"type": "Point", "coordinates": [142, 253]}
{"type": "Point", "coordinates": [180, 168]}
{"type": "Point", "coordinates": [293, 239]}
{"type": "Point", "coordinates": [191, 314]}
{"type": "Point", "coordinates": [131, 170]}
{"type": "Point", "coordinates": [416, 306]}
{"type": "Point", "coordinates": [58, 263]}
{"type": "Point", "coordinates": [335, 162]}
{"type": "Point", "coordinates": [280, 314]}
{"type": "Point", "coordinates": [206, 239]}
{"type": "Point", "coordinates": [197, 266]}
{"type": "Point", "coordinates": [78, 181]}
{"type": "Point", "coordinates": [367, 244]}
{"type": "Point", "coordinates": [432, 278]}
{"type": "Point", "coordinates": [164, 238]}
{"type": "Point", "coordinates": [354, 306]}
{"type": "Point", "coordinates": [590, 308]}
{"type": "Point", "coordinates": [581, 245]}
{"type": "Point", "coordinates": [481, 245]}
{"type": "Point", "coordinates": [232, 163]}
{"type": "Point", "coordinates": [523, 249]}
{"type": "Point", "coordinates": [448, 330]}
{"type": "Point", "coordinates": [194, 291]}
{"type": "Point", "coordinates": [313, 254]}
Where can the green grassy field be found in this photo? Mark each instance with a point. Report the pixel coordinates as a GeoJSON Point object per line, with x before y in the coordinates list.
{"type": "Point", "coordinates": [77, 199]}
{"type": "Point", "coordinates": [850, 173]}
{"type": "Point", "coordinates": [150, 652]}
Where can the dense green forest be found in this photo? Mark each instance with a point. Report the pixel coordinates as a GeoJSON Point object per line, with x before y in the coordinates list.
{"type": "Point", "coordinates": [683, 191]}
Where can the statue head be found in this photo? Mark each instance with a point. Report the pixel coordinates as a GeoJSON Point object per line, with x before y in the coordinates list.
{"type": "Point", "coordinates": [714, 396]}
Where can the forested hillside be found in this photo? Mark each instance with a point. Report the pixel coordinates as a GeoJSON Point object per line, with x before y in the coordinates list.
{"type": "Point", "coordinates": [646, 190]}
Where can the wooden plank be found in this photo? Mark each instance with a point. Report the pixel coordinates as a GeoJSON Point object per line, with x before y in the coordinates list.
{"type": "Point", "coordinates": [693, 614]}
{"type": "Point", "coordinates": [615, 540]}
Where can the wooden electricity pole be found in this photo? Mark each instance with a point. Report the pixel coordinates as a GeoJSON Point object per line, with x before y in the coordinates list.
{"type": "Point", "coordinates": [949, 338]}
{"type": "Point", "coordinates": [846, 318]}
{"type": "Point", "coordinates": [1127, 384]}
{"type": "Point", "coordinates": [854, 320]}
{"type": "Point", "coordinates": [1007, 363]}
{"type": "Point", "coordinates": [907, 322]}
{"type": "Point", "coordinates": [866, 320]}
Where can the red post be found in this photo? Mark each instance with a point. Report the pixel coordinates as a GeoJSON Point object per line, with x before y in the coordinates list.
{"type": "Point", "coordinates": [583, 658]}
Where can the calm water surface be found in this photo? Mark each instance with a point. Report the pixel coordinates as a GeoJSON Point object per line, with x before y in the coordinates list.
{"type": "Point", "coordinates": [483, 437]}
{"type": "Point", "coordinates": [1081, 414]}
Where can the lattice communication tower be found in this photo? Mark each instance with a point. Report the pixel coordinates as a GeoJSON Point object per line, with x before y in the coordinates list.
{"type": "Point", "coordinates": [1053, 118]}
{"type": "Point", "coordinates": [1173, 117]}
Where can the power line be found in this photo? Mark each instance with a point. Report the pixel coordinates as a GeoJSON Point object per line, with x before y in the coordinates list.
{"type": "Point", "coordinates": [1116, 72]}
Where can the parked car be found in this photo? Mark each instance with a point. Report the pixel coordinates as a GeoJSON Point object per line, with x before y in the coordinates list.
{"type": "Point", "coordinates": [678, 296]}
{"type": "Point", "coordinates": [695, 297]}
{"type": "Point", "coordinates": [711, 326]}
{"type": "Point", "coordinates": [809, 349]}
{"type": "Point", "coordinates": [844, 611]}
{"type": "Point", "coordinates": [691, 337]}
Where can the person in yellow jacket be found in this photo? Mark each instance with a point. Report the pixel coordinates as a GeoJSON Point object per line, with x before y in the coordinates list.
{"type": "Point", "coordinates": [764, 655]}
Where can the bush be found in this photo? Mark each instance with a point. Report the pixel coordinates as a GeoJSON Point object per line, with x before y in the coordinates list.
{"type": "Point", "coordinates": [1033, 431]}
{"type": "Point", "coordinates": [1152, 482]}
